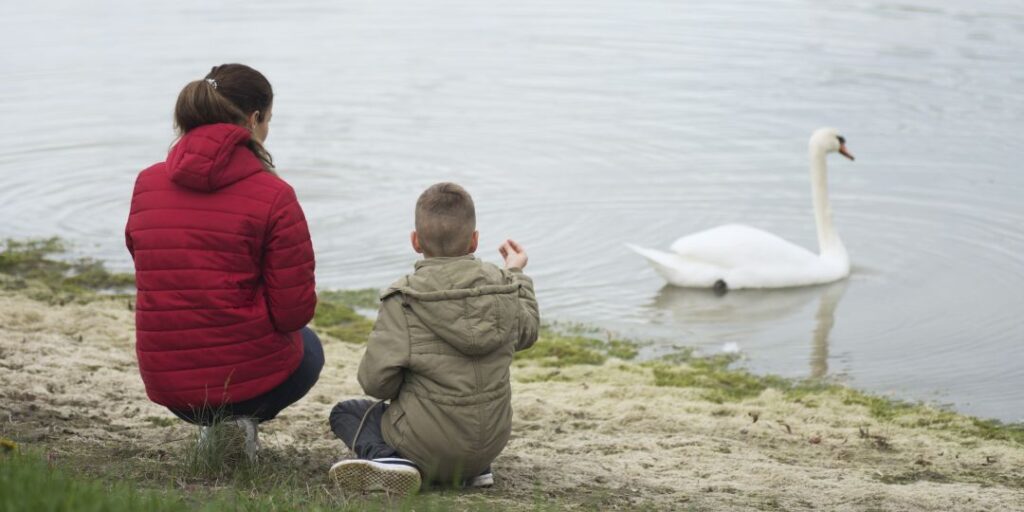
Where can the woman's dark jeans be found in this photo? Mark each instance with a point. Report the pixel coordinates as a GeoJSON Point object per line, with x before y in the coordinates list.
{"type": "Point", "coordinates": [266, 406]}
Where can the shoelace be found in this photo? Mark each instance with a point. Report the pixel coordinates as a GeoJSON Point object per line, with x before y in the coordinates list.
{"type": "Point", "coordinates": [359, 430]}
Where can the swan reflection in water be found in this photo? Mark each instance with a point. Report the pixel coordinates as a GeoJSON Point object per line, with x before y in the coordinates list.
{"type": "Point", "coordinates": [754, 310]}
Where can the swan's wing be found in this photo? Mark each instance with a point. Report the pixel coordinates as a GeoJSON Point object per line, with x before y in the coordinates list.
{"type": "Point", "coordinates": [678, 270]}
{"type": "Point", "coordinates": [736, 246]}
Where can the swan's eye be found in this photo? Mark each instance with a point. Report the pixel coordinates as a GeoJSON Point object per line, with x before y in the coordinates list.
{"type": "Point", "coordinates": [842, 140]}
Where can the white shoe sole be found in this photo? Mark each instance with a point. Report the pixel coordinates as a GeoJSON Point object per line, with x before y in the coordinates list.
{"type": "Point", "coordinates": [482, 481]}
{"type": "Point", "coordinates": [367, 476]}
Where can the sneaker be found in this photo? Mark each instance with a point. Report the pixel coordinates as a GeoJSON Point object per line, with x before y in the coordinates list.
{"type": "Point", "coordinates": [391, 475]}
{"type": "Point", "coordinates": [204, 436]}
{"type": "Point", "coordinates": [485, 479]}
{"type": "Point", "coordinates": [247, 426]}
{"type": "Point", "coordinates": [252, 436]}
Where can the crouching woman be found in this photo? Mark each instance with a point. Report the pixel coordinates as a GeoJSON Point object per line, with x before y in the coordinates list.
{"type": "Point", "coordinates": [223, 263]}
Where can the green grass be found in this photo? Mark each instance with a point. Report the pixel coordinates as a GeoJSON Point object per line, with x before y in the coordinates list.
{"type": "Point", "coordinates": [720, 383]}
{"type": "Point", "coordinates": [711, 374]}
{"type": "Point", "coordinates": [220, 456]}
{"type": "Point", "coordinates": [29, 482]}
{"type": "Point", "coordinates": [340, 321]}
{"type": "Point", "coordinates": [557, 347]}
{"type": "Point", "coordinates": [366, 298]}
{"type": "Point", "coordinates": [33, 268]}
{"type": "Point", "coordinates": [685, 369]}
{"type": "Point", "coordinates": [994, 429]}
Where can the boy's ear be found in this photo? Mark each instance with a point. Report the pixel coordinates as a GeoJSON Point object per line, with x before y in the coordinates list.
{"type": "Point", "coordinates": [474, 242]}
{"type": "Point", "coordinates": [415, 239]}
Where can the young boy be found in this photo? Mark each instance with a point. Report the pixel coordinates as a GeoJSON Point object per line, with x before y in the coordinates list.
{"type": "Point", "coordinates": [440, 352]}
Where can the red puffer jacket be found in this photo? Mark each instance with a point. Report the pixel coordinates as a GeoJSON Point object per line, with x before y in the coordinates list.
{"type": "Point", "coordinates": [224, 268]}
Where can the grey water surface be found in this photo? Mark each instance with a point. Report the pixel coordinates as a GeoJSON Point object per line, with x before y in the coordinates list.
{"type": "Point", "coordinates": [580, 126]}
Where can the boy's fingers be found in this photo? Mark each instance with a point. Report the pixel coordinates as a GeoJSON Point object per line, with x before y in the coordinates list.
{"type": "Point", "coordinates": [515, 245]}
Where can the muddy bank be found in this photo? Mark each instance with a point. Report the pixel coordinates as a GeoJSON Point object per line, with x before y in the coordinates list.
{"type": "Point", "coordinates": [608, 434]}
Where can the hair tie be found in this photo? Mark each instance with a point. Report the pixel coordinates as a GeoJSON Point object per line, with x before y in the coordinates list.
{"type": "Point", "coordinates": [212, 82]}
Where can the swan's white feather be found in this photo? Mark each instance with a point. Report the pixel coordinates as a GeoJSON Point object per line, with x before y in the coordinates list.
{"type": "Point", "coordinates": [737, 245]}
{"type": "Point", "coordinates": [740, 273]}
{"type": "Point", "coordinates": [677, 270]}
{"type": "Point", "coordinates": [746, 257]}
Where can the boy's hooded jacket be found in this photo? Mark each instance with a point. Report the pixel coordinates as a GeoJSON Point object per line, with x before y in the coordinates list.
{"type": "Point", "coordinates": [441, 351]}
{"type": "Point", "coordinates": [224, 271]}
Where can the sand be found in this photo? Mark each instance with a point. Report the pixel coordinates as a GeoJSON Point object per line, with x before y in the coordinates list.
{"type": "Point", "coordinates": [584, 436]}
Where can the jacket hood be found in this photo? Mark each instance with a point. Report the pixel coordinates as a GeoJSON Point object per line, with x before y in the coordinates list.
{"type": "Point", "coordinates": [471, 305]}
{"type": "Point", "coordinates": [212, 157]}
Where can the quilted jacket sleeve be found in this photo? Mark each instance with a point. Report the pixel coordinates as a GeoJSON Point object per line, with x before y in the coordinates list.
{"type": "Point", "coordinates": [128, 242]}
{"type": "Point", "coordinates": [387, 352]}
{"type": "Point", "coordinates": [529, 313]}
{"type": "Point", "coordinates": [288, 265]}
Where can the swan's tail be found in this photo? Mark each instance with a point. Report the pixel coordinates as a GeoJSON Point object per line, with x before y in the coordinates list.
{"type": "Point", "coordinates": [677, 270]}
{"type": "Point", "coordinates": [665, 264]}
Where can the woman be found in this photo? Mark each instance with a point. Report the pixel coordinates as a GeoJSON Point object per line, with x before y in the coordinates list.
{"type": "Point", "coordinates": [223, 262]}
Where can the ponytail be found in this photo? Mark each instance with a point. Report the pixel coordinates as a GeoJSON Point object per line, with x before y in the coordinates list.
{"type": "Point", "coordinates": [228, 94]}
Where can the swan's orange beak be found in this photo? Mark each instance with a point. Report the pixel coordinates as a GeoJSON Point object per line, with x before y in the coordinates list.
{"type": "Point", "coordinates": [843, 151]}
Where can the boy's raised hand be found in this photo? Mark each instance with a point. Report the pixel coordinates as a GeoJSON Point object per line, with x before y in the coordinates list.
{"type": "Point", "coordinates": [514, 254]}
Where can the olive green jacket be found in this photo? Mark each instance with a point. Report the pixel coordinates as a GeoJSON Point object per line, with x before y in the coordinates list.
{"type": "Point", "coordinates": [440, 351]}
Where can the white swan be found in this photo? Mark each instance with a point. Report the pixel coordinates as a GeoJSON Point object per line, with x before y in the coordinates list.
{"type": "Point", "coordinates": [736, 256]}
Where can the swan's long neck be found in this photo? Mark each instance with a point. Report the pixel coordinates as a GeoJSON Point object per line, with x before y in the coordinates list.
{"type": "Point", "coordinates": [828, 240]}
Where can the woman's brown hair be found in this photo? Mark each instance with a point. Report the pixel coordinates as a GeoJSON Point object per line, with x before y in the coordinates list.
{"type": "Point", "coordinates": [229, 93]}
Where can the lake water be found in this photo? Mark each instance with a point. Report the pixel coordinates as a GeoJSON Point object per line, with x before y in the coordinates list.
{"type": "Point", "coordinates": [579, 126]}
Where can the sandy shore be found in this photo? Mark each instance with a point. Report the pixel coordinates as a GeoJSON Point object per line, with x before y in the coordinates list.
{"type": "Point", "coordinates": [588, 436]}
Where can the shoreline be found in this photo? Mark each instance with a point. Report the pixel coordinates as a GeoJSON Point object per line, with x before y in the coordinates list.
{"type": "Point", "coordinates": [592, 429]}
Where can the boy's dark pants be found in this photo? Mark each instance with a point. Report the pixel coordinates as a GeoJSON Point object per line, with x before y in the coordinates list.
{"type": "Point", "coordinates": [345, 420]}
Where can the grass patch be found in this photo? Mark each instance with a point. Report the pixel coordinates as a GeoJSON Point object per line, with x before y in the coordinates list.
{"type": "Point", "coordinates": [623, 349]}
{"type": "Point", "coordinates": [724, 384]}
{"type": "Point", "coordinates": [33, 268]}
{"type": "Point", "coordinates": [994, 429]}
{"type": "Point", "coordinates": [557, 348]}
{"type": "Point", "coordinates": [878, 407]}
{"type": "Point", "coordinates": [366, 298]}
{"type": "Point", "coordinates": [983, 479]}
{"type": "Point", "coordinates": [719, 385]}
{"type": "Point", "coordinates": [554, 349]}
{"type": "Point", "coordinates": [220, 455]}
{"type": "Point", "coordinates": [338, 319]}
{"type": "Point", "coordinates": [30, 482]}
{"type": "Point", "coordinates": [910, 477]}
{"type": "Point", "coordinates": [162, 421]}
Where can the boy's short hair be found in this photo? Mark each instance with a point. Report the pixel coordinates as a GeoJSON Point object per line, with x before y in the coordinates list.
{"type": "Point", "coordinates": [445, 220]}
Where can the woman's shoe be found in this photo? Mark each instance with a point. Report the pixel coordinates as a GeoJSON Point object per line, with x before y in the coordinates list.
{"type": "Point", "coordinates": [248, 427]}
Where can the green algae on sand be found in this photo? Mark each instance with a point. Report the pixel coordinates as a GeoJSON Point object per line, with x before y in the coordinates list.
{"type": "Point", "coordinates": [33, 268]}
